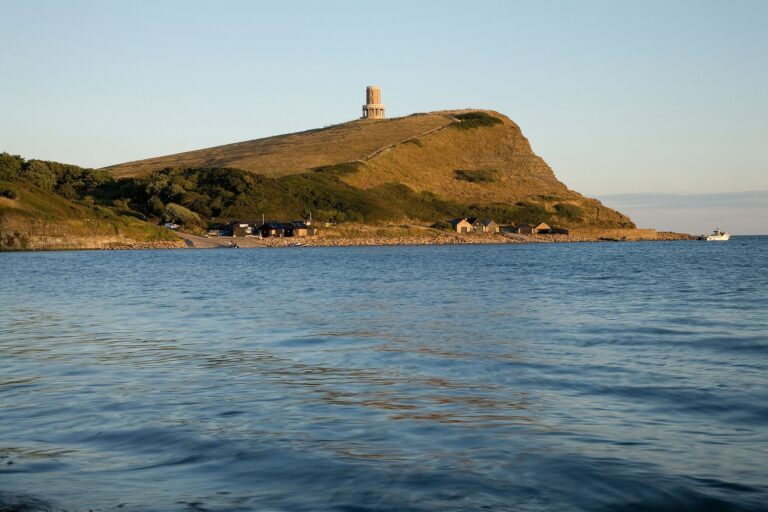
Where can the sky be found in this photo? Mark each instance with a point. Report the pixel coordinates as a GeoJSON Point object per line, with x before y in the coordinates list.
{"type": "Point", "coordinates": [619, 97]}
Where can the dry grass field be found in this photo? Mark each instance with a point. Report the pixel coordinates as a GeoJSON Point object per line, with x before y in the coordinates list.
{"type": "Point", "coordinates": [294, 153]}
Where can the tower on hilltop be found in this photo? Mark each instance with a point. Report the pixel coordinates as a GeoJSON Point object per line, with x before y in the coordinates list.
{"type": "Point", "coordinates": [373, 109]}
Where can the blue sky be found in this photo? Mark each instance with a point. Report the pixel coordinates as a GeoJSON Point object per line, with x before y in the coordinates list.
{"type": "Point", "coordinates": [618, 97]}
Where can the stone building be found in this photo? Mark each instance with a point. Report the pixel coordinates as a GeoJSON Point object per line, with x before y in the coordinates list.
{"type": "Point", "coordinates": [373, 109]}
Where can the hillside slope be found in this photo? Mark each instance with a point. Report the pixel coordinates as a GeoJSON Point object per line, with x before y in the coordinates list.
{"type": "Point", "coordinates": [474, 161]}
{"type": "Point", "coordinates": [293, 153]}
{"type": "Point", "coordinates": [37, 219]}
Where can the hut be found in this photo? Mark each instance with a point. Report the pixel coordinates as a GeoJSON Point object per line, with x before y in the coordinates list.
{"type": "Point", "coordinates": [302, 229]}
{"type": "Point", "coordinates": [272, 228]}
{"type": "Point", "coordinates": [523, 229]}
{"type": "Point", "coordinates": [242, 228]}
{"type": "Point", "coordinates": [238, 228]}
{"type": "Point", "coordinates": [541, 228]}
{"type": "Point", "coordinates": [487, 226]}
{"type": "Point", "coordinates": [462, 225]}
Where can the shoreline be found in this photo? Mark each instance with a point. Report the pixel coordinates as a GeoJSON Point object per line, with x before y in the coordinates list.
{"type": "Point", "coordinates": [190, 241]}
{"type": "Point", "coordinates": [199, 242]}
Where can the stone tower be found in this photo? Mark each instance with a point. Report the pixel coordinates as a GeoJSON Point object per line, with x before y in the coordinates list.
{"type": "Point", "coordinates": [373, 109]}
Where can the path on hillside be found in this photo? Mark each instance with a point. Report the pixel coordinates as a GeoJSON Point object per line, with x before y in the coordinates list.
{"type": "Point", "coordinates": [383, 149]}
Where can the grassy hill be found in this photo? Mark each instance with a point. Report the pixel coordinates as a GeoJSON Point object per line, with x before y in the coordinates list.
{"type": "Point", "coordinates": [422, 167]}
{"type": "Point", "coordinates": [294, 153]}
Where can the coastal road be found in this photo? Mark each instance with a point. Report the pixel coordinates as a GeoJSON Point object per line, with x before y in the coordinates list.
{"type": "Point", "coordinates": [214, 242]}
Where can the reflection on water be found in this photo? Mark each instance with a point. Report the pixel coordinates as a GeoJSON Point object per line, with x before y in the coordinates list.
{"type": "Point", "coordinates": [565, 377]}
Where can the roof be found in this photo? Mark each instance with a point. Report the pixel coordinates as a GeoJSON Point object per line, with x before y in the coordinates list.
{"type": "Point", "coordinates": [487, 222]}
{"type": "Point", "coordinates": [454, 222]}
{"type": "Point", "coordinates": [542, 225]}
{"type": "Point", "coordinates": [249, 222]}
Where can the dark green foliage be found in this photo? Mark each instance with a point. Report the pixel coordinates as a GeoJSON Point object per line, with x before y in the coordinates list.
{"type": "Point", "coordinates": [7, 193]}
{"type": "Point", "coordinates": [477, 175]}
{"type": "Point", "coordinates": [339, 169]}
{"type": "Point", "coordinates": [401, 200]}
{"type": "Point", "coordinates": [478, 119]}
{"type": "Point", "coordinates": [180, 215]}
{"type": "Point", "coordinates": [156, 206]}
{"type": "Point", "coordinates": [70, 181]}
{"type": "Point", "coordinates": [10, 166]}
{"type": "Point", "coordinates": [39, 174]}
{"type": "Point", "coordinates": [194, 196]}
{"type": "Point", "coordinates": [531, 213]}
{"type": "Point", "coordinates": [570, 212]}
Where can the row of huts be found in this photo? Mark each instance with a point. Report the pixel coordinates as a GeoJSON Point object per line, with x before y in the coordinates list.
{"type": "Point", "coordinates": [266, 229]}
{"type": "Point", "coordinates": [474, 225]}
{"type": "Point", "coordinates": [468, 225]}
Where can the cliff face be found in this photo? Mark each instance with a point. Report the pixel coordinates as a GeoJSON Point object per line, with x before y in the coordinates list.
{"type": "Point", "coordinates": [472, 158]}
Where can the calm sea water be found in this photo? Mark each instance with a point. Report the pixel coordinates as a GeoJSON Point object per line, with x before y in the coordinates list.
{"type": "Point", "coordinates": [613, 376]}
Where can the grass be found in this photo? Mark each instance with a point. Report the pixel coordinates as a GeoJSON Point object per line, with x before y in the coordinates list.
{"type": "Point", "coordinates": [294, 153]}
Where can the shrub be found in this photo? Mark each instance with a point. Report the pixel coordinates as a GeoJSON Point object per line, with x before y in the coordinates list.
{"type": "Point", "coordinates": [180, 215]}
{"type": "Point", "coordinates": [156, 205]}
{"type": "Point", "coordinates": [476, 119]}
{"type": "Point", "coordinates": [339, 169]}
{"type": "Point", "coordinates": [569, 211]}
{"type": "Point", "coordinates": [10, 166]}
{"type": "Point", "coordinates": [476, 175]}
{"type": "Point", "coordinates": [7, 193]}
{"type": "Point", "coordinates": [414, 141]}
{"type": "Point", "coordinates": [39, 174]}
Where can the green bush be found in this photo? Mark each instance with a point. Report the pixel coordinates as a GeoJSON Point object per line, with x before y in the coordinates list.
{"type": "Point", "coordinates": [10, 166]}
{"type": "Point", "coordinates": [180, 215]}
{"type": "Point", "coordinates": [476, 175]}
{"type": "Point", "coordinates": [339, 169]}
{"type": "Point", "coordinates": [476, 119]}
{"type": "Point", "coordinates": [7, 193]}
{"type": "Point", "coordinates": [39, 174]}
{"type": "Point", "coordinates": [569, 211]}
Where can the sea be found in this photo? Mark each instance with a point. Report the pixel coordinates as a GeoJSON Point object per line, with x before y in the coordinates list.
{"type": "Point", "coordinates": [615, 376]}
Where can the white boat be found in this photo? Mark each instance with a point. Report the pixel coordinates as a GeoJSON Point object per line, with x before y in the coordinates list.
{"type": "Point", "coordinates": [718, 236]}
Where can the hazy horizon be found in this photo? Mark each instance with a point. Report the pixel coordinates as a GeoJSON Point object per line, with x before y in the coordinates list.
{"type": "Point", "coordinates": [739, 213]}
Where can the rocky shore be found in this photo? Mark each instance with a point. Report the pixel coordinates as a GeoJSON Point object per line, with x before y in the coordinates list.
{"type": "Point", "coordinates": [454, 239]}
{"type": "Point", "coordinates": [157, 244]}
{"type": "Point", "coordinates": [428, 238]}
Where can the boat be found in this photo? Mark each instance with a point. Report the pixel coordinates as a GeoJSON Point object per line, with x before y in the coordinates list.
{"type": "Point", "coordinates": [718, 236]}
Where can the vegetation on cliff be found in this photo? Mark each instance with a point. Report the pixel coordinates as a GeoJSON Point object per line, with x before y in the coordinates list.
{"type": "Point", "coordinates": [47, 205]}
